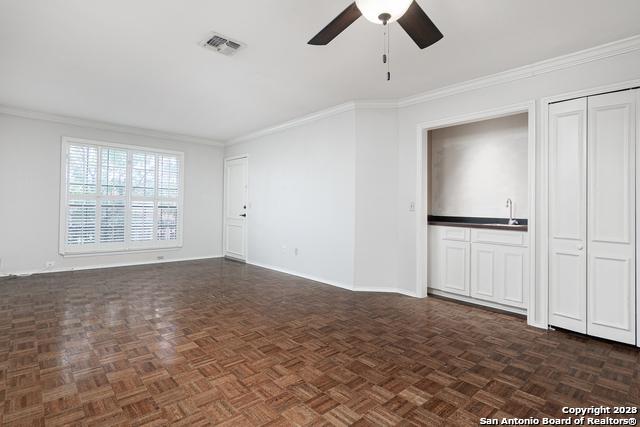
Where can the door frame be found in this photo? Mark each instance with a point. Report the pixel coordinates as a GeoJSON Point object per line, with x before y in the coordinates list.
{"type": "Point", "coordinates": [422, 159]}
{"type": "Point", "coordinates": [543, 223]}
{"type": "Point", "coordinates": [224, 206]}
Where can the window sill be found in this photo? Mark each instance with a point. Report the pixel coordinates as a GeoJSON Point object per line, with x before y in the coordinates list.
{"type": "Point", "coordinates": [118, 252]}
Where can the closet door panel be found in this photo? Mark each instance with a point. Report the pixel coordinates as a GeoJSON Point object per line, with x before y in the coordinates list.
{"type": "Point", "coordinates": [611, 217]}
{"type": "Point", "coordinates": [567, 214]}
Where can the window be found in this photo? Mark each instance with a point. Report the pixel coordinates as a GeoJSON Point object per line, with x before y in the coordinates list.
{"type": "Point", "coordinates": [119, 198]}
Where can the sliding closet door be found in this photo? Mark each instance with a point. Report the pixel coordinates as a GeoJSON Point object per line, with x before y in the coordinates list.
{"type": "Point", "coordinates": [568, 215]}
{"type": "Point", "coordinates": [611, 217]}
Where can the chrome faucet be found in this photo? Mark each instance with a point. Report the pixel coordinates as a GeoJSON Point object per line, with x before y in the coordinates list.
{"type": "Point", "coordinates": [512, 221]}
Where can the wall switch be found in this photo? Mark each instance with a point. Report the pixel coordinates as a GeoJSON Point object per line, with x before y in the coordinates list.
{"type": "Point", "coordinates": [49, 264]}
{"type": "Point", "coordinates": [295, 251]}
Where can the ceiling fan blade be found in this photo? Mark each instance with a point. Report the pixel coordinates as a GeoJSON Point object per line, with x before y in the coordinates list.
{"type": "Point", "coordinates": [338, 25]}
{"type": "Point", "coordinates": [419, 27]}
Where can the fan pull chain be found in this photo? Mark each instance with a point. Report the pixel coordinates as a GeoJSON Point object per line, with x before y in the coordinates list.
{"type": "Point", "coordinates": [388, 53]}
{"type": "Point", "coordinates": [385, 54]}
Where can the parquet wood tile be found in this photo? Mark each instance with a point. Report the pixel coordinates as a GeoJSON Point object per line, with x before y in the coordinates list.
{"type": "Point", "coordinates": [221, 343]}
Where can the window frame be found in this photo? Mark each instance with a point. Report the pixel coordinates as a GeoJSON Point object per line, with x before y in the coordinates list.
{"type": "Point", "coordinates": [127, 246]}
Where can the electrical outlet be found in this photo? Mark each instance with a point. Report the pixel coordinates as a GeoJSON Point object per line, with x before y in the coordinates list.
{"type": "Point", "coordinates": [412, 207]}
{"type": "Point", "coordinates": [283, 250]}
{"type": "Point", "coordinates": [49, 264]}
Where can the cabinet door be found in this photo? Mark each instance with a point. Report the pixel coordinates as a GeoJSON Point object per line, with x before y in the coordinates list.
{"type": "Point", "coordinates": [499, 273]}
{"type": "Point", "coordinates": [514, 276]}
{"type": "Point", "coordinates": [484, 273]}
{"type": "Point", "coordinates": [454, 266]}
{"type": "Point", "coordinates": [568, 215]}
{"type": "Point", "coordinates": [611, 217]}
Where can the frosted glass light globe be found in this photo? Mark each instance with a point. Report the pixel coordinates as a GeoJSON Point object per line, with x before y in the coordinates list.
{"type": "Point", "coordinates": [372, 9]}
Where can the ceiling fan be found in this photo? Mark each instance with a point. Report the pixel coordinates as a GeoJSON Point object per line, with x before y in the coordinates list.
{"type": "Point", "coordinates": [408, 13]}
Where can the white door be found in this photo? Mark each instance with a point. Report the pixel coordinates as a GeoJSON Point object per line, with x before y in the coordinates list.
{"type": "Point", "coordinates": [236, 179]}
{"type": "Point", "coordinates": [611, 283]}
{"type": "Point", "coordinates": [568, 215]}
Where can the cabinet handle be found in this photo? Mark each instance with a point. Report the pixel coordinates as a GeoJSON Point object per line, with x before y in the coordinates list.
{"type": "Point", "coordinates": [580, 247]}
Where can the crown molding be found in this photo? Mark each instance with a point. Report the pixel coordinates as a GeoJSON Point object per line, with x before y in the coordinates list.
{"type": "Point", "coordinates": [607, 50]}
{"type": "Point", "coordinates": [112, 127]}
{"type": "Point", "coordinates": [384, 104]}
{"type": "Point", "coordinates": [322, 114]}
{"type": "Point", "coordinates": [619, 47]}
{"type": "Point", "coordinates": [596, 53]}
{"type": "Point", "coordinates": [309, 118]}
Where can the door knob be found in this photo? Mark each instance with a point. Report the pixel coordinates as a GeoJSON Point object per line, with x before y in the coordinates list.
{"type": "Point", "coordinates": [243, 215]}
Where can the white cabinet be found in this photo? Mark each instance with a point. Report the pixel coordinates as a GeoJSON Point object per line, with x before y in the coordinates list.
{"type": "Point", "coordinates": [499, 274]}
{"type": "Point", "coordinates": [486, 265]}
{"type": "Point", "coordinates": [449, 255]}
{"type": "Point", "coordinates": [455, 270]}
{"type": "Point", "coordinates": [592, 215]}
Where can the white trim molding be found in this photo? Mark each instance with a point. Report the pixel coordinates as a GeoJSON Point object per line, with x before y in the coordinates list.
{"type": "Point", "coordinates": [302, 275]}
{"type": "Point", "coordinates": [619, 47]}
{"type": "Point", "coordinates": [340, 285]}
{"type": "Point", "coordinates": [113, 265]}
{"type": "Point", "coordinates": [309, 118]}
{"type": "Point", "coordinates": [615, 48]}
{"type": "Point", "coordinates": [111, 127]}
{"type": "Point", "coordinates": [596, 53]}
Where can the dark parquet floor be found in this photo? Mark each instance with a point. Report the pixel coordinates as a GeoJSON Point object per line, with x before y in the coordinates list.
{"type": "Point", "coordinates": [220, 343]}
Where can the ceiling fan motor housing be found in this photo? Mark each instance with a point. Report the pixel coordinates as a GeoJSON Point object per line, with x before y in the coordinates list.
{"type": "Point", "coordinates": [384, 17]}
{"type": "Point", "coordinates": [377, 10]}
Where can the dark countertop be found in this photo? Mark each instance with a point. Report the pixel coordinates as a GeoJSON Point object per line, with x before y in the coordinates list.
{"type": "Point", "coordinates": [506, 227]}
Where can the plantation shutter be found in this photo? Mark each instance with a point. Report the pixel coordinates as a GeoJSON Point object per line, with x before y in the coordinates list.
{"type": "Point", "coordinates": [119, 198]}
{"type": "Point", "coordinates": [82, 171]}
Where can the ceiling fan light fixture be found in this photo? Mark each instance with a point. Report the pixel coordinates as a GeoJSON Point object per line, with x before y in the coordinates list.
{"type": "Point", "coordinates": [372, 10]}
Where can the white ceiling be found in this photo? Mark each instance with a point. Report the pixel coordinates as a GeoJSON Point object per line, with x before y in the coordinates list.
{"type": "Point", "coordinates": [138, 62]}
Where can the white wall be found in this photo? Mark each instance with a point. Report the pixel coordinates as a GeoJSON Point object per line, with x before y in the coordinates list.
{"type": "Point", "coordinates": [588, 74]}
{"type": "Point", "coordinates": [376, 183]}
{"type": "Point", "coordinates": [302, 195]}
{"type": "Point", "coordinates": [363, 164]}
{"type": "Point", "coordinates": [30, 196]}
{"type": "Point", "coordinates": [339, 188]}
{"type": "Point", "coordinates": [476, 167]}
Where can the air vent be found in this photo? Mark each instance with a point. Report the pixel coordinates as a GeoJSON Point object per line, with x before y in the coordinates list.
{"type": "Point", "coordinates": [221, 44]}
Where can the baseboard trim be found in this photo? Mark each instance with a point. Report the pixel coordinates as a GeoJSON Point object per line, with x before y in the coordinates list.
{"type": "Point", "coordinates": [387, 291]}
{"type": "Point", "coordinates": [334, 283]}
{"type": "Point", "coordinates": [538, 325]}
{"type": "Point", "coordinates": [114, 265]}
{"type": "Point", "coordinates": [477, 302]}
{"type": "Point", "coordinates": [303, 275]}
